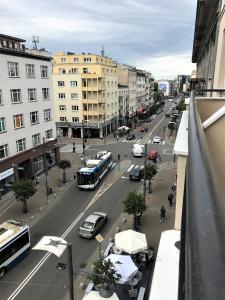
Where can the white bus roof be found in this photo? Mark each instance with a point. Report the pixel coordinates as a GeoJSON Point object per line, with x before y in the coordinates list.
{"type": "Point", "coordinates": [10, 228]}
{"type": "Point", "coordinates": [165, 277]}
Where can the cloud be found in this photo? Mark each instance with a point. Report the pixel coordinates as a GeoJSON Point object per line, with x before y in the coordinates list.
{"type": "Point", "coordinates": [130, 30]}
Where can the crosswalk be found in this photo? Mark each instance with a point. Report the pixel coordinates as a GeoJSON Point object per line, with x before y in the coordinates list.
{"type": "Point", "coordinates": [140, 141]}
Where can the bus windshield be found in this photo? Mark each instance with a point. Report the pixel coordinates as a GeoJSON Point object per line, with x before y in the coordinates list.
{"type": "Point", "coordinates": [84, 179]}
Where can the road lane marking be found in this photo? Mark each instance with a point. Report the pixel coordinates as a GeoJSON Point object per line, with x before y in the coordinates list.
{"type": "Point", "coordinates": [149, 141]}
{"type": "Point", "coordinates": [163, 142]}
{"type": "Point", "coordinates": [130, 168]}
{"type": "Point", "coordinates": [124, 177]}
{"type": "Point", "coordinates": [42, 261]}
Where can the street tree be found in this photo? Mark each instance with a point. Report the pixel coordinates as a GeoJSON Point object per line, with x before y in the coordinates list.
{"type": "Point", "coordinates": [23, 190]}
{"type": "Point", "coordinates": [171, 126]}
{"type": "Point", "coordinates": [64, 164]}
{"type": "Point", "coordinates": [134, 204]}
{"type": "Point", "coordinates": [104, 275]}
{"type": "Point", "coordinates": [150, 172]}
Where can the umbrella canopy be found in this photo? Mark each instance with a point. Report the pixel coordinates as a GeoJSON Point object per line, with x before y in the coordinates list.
{"type": "Point", "coordinates": [93, 295]}
{"type": "Point", "coordinates": [124, 266]}
{"type": "Point", "coordinates": [131, 241]}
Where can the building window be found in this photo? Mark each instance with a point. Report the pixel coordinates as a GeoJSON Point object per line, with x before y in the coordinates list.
{"type": "Point", "coordinates": [62, 119]}
{"type": "Point", "coordinates": [75, 108]}
{"type": "Point", "coordinates": [4, 152]}
{"type": "Point", "coordinates": [15, 96]}
{"type": "Point", "coordinates": [76, 59]}
{"type": "Point", "coordinates": [36, 139]}
{"type": "Point", "coordinates": [13, 68]}
{"type": "Point", "coordinates": [2, 125]}
{"type": "Point", "coordinates": [85, 70]}
{"type": "Point", "coordinates": [21, 145]}
{"type": "Point", "coordinates": [34, 117]}
{"type": "Point", "coordinates": [47, 114]}
{"type": "Point", "coordinates": [61, 83]}
{"type": "Point", "coordinates": [62, 95]}
{"type": "Point", "coordinates": [74, 96]}
{"type": "Point", "coordinates": [1, 99]}
{"type": "Point", "coordinates": [87, 59]}
{"type": "Point", "coordinates": [75, 119]}
{"type": "Point", "coordinates": [63, 60]}
{"type": "Point", "coordinates": [62, 71]}
{"type": "Point", "coordinates": [32, 95]}
{"type": "Point", "coordinates": [45, 93]}
{"type": "Point", "coordinates": [74, 71]}
{"type": "Point", "coordinates": [73, 83]}
{"type": "Point", "coordinates": [44, 71]}
{"type": "Point", "coordinates": [18, 121]}
{"type": "Point", "coordinates": [30, 71]}
{"type": "Point", "coordinates": [62, 107]}
{"type": "Point", "coordinates": [49, 134]}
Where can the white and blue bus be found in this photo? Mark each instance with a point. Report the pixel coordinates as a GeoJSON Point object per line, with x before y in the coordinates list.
{"type": "Point", "coordinates": [90, 176]}
{"type": "Point", "coordinates": [14, 244]}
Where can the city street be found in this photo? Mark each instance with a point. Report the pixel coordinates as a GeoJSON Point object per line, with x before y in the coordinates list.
{"type": "Point", "coordinates": [36, 275]}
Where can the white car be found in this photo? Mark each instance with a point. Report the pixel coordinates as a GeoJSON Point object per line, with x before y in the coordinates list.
{"type": "Point", "coordinates": [137, 150]}
{"type": "Point", "coordinates": [156, 140]}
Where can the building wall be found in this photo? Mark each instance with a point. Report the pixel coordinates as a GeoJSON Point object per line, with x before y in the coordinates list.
{"type": "Point", "coordinates": [8, 109]}
{"type": "Point", "coordinates": [181, 171]}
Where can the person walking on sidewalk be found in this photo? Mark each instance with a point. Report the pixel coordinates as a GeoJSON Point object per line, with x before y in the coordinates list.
{"type": "Point", "coordinates": [170, 199]}
{"type": "Point", "coordinates": [162, 214]}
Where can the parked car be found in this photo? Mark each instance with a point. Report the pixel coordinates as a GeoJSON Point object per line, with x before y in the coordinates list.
{"type": "Point", "coordinates": [130, 137]}
{"type": "Point", "coordinates": [152, 154]}
{"type": "Point", "coordinates": [136, 173]}
{"type": "Point", "coordinates": [93, 224]}
{"type": "Point", "coordinates": [156, 140]}
{"type": "Point", "coordinates": [143, 129]}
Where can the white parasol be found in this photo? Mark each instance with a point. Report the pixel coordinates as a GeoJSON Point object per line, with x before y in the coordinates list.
{"type": "Point", "coordinates": [131, 241]}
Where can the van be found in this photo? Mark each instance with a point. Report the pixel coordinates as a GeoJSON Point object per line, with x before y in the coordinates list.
{"type": "Point", "coordinates": [137, 173]}
{"type": "Point", "coordinates": [137, 150]}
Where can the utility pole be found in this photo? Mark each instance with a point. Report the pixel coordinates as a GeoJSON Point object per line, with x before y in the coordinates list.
{"type": "Point", "coordinates": [104, 131]}
{"type": "Point", "coordinates": [46, 168]}
{"type": "Point", "coordinates": [144, 183]}
{"type": "Point", "coordinates": [83, 138]}
{"type": "Point", "coordinates": [70, 270]}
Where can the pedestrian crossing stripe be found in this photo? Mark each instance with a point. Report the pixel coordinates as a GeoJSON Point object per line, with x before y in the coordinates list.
{"type": "Point", "coordinates": [130, 168]}
{"type": "Point", "coordinates": [163, 142]}
{"type": "Point", "coordinates": [149, 141]}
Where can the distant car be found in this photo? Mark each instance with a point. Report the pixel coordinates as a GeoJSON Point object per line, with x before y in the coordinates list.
{"type": "Point", "coordinates": [167, 115]}
{"type": "Point", "coordinates": [136, 173]}
{"type": "Point", "coordinates": [93, 224]}
{"type": "Point", "coordinates": [154, 116]}
{"type": "Point", "coordinates": [156, 140]}
{"type": "Point", "coordinates": [152, 154]}
{"type": "Point", "coordinates": [137, 150]}
{"type": "Point", "coordinates": [130, 137]}
{"type": "Point", "coordinates": [143, 129]}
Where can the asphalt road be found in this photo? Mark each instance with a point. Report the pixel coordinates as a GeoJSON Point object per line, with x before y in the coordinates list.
{"type": "Point", "coordinates": [36, 276]}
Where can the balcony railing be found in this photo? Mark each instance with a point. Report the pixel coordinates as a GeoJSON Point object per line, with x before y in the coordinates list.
{"type": "Point", "coordinates": [202, 259]}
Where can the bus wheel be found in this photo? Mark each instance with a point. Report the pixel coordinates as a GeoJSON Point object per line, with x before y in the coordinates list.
{"type": "Point", "coordinates": [2, 272]}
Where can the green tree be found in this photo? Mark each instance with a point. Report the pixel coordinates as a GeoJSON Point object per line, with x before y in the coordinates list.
{"type": "Point", "coordinates": [134, 204]}
{"type": "Point", "coordinates": [104, 274]}
{"type": "Point", "coordinates": [23, 190]}
{"type": "Point", "coordinates": [64, 164]}
{"type": "Point", "coordinates": [150, 172]}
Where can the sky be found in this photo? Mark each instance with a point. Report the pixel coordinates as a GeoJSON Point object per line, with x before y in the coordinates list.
{"type": "Point", "coordinates": [154, 35]}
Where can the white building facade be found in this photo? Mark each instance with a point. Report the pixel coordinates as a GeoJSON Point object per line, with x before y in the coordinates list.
{"type": "Point", "coordinates": [26, 112]}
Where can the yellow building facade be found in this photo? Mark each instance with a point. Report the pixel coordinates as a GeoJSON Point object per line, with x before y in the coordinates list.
{"type": "Point", "coordinates": [86, 94]}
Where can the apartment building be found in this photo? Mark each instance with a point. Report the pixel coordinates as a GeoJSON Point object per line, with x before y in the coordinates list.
{"type": "Point", "coordinates": [123, 104]}
{"type": "Point", "coordinates": [141, 88]}
{"type": "Point", "coordinates": [86, 94]}
{"type": "Point", "coordinates": [149, 89]}
{"type": "Point", "coordinates": [27, 129]}
{"type": "Point", "coordinates": [127, 76]}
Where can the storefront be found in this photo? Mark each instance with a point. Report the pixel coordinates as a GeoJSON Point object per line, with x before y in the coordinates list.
{"type": "Point", "coordinates": [6, 181]}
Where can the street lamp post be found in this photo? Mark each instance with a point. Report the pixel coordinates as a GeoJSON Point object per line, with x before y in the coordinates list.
{"type": "Point", "coordinates": [144, 183]}
{"type": "Point", "coordinates": [46, 168]}
{"type": "Point", "coordinates": [83, 138]}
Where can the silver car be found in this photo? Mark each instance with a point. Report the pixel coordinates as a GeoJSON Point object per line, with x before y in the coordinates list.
{"type": "Point", "coordinates": [156, 140]}
{"type": "Point", "coordinates": [93, 224]}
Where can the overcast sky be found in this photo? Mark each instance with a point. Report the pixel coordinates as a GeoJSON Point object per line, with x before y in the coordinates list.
{"type": "Point", "coordinates": [155, 35]}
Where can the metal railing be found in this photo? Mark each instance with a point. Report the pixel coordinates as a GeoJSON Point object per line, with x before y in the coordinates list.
{"type": "Point", "coordinates": [202, 259]}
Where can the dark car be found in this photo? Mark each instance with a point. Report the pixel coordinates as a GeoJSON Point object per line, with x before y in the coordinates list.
{"type": "Point", "coordinates": [130, 137]}
{"type": "Point", "coordinates": [136, 173]}
{"type": "Point", "coordinates": [143, 129]}
{"type": "Point", "coordinates": [93, 224]}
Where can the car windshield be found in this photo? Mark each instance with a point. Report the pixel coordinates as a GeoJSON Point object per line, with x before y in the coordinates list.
{"type": "Point", "coordinates": [134, 172]}
{"type": "Point", "coordinates": [88, 225]}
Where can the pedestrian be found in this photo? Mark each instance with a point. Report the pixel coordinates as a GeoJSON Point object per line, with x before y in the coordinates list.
{"type": "Point", "coordinates": [164, 128]}
{"type": "Point", "coordinates": [159, 158]}
{"type": "Point", "coordinates": [155, 160]}
{"type": "Point", "coordinates": [118, 157]}
{"type": "Point", "coordinates": [162, 214]}
{"type": "Point", "coordinates": [174, 186]}
{"type": "Point", "coordinates": [170, 199]}
{"type": "Point", "coordinates": [74, 148]}
{"type": "Point", "coordinates": [117, 137]}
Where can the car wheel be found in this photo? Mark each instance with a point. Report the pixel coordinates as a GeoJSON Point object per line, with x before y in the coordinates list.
{"type": "Point", "coordinates": [2, 272]}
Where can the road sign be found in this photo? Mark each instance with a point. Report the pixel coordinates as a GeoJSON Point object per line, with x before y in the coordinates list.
{"type": "Point", "coordinates": [99, 238]}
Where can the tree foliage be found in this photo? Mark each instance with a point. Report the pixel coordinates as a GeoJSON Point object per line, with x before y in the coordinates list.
{"type": "Point", "coordinates": [150, 171]}
{"type": "Point", "coordinates": [134, 204]}
{"type": "Point", "coordinates": [104, 273]}
{"type": "Point", "coordinates": [23, 189]}
{"type": "Point", "coordinates": [64, 164]}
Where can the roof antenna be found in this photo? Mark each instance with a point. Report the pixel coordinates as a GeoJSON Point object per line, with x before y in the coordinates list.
{"type": "Point", "coordinates": [103, 51]}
